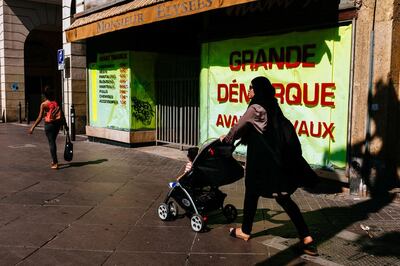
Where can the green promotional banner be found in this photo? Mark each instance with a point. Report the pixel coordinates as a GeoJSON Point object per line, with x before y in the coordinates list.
{"type": "Point", "coordinates": [109, 93]}
{"type": "Point", "coordinates": [121, 91]}
{"type": "Point", "coordinates": [310, 72]}
{"type": "Point", "coordinates": [143, 93]}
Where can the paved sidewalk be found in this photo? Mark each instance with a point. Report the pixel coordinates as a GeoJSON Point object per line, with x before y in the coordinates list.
{"type": "Point", "coordinates": [100, 209]}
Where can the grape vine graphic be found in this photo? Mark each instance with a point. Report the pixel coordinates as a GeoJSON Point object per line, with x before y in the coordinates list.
{"type": "Point", "coordinates": [142, 111]}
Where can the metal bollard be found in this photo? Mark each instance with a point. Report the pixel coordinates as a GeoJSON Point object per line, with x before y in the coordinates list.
{"type": "Point", "coordinates": [27, 112]}
{"type": "Point", "coordinates": [355, 178]}
{"type": "Point", "coordinates": [72, 122]}
{"type": "Point", "coordinates": [19, 113]}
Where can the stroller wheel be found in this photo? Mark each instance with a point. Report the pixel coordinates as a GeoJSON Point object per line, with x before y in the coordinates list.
{"type": "Point", "coordinates": [163, 211]}
{"type": "Point", "coordinates": [173, 209]}
{"type": "Point", "coordinates": [230, 212]}
{"type": "Point", "coordinates": [197, 222]}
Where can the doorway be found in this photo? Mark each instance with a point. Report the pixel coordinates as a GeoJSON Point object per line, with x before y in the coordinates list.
{"type": "Point", "coordinates": [41, 68]}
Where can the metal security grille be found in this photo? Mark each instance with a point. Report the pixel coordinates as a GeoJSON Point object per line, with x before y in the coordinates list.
{"type": "Point", "coordinates": [178, 106]}
{"type": "Point", "coordinates": [178, 112]}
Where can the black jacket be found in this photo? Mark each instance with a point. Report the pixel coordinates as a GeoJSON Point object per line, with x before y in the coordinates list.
{"type": "Point", "coordinates": [265, 167]}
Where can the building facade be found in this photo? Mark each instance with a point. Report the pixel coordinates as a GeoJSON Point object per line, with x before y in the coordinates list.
{"type": "Point", "coordinates": [177, 72]}
{"type": "Point", "coordinates": [30, 36]}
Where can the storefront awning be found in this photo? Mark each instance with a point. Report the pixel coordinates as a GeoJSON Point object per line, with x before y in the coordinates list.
{"type": "Point", "coordinates": [140, 12]}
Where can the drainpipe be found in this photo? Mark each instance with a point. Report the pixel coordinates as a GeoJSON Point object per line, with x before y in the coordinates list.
{"type": "Point", "coordinates": [367, 160]}
{"type": "Point", "coordinates": [354, 177]}
{"type": "Point", "coordinates": [370, 81]}
{"type": "Point", "coordinates": [360, 167]}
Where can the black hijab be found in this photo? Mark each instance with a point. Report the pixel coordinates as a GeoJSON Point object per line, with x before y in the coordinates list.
{"type": "Point", "coordinates": [264, 95]}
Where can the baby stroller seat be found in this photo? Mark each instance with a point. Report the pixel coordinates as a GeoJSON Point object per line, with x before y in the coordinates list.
{"type": "Point", "coordinates": [197, 191]}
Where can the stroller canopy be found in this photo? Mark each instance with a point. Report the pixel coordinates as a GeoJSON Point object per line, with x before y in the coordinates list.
{"type": "Point", "coordinates": [215, 165]}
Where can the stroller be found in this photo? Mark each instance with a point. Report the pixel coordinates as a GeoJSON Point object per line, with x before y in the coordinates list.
{"type": "Point", "coordinates": [197, 190]}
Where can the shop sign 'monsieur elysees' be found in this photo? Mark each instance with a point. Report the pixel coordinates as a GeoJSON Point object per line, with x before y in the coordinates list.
{"type": "Point", "coordinates": [96, 24]}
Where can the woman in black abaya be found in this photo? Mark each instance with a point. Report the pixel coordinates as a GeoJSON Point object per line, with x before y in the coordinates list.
{"type": "Point", "coordinates": [260, 129]}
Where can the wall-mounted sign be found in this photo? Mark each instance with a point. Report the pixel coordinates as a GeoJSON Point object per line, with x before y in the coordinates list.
{"type": "Point", "coordinates": [60, 59]}
{"type": "Point", "coordinates": [14, 86]}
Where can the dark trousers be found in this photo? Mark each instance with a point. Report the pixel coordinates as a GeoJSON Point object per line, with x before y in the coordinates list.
{"type": "Point", "coordinates": [290, 207]}
{"type": "Point", "coordinates": [51, 130]}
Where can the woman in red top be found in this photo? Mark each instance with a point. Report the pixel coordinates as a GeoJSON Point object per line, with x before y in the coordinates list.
{"type": "Point", "coordinates": [53, 121]}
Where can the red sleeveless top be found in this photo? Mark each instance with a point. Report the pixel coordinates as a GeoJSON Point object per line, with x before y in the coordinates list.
{"type": "Point", "coordinates": [51, 110]}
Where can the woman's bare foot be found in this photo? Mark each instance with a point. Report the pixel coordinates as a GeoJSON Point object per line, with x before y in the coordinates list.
{"type": "Point", "coordinates": [54, 165]}
{"type": "Point", "coordinates": [307, 239]}
{"type": "Point", "coordinates": [238, 233]}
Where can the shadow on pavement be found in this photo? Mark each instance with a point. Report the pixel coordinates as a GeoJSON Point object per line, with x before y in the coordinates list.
{"type": "Point", "coordinates": [79, 164]}
{"type": "Point", "coordinates": [385, 245]}
{"type": "Point", "coordinates": [326, 186]}
{"type": "Point", "coordinates": [217, 217]}
{"type": "Point", "coordinates": [339, 218]}
{"type": "Point", "coordinates": [376, 168]}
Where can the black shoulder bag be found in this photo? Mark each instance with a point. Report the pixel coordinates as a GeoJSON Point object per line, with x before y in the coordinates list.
{"type": "Point", "coordinates": [69, 149]}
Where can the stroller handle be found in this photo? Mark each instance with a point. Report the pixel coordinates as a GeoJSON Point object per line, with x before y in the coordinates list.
{"type": "Point", "coordinates": [234, 146]}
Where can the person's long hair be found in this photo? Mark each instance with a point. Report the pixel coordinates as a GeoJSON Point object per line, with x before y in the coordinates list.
{"type": "Point", "coordinates": [48, 93]}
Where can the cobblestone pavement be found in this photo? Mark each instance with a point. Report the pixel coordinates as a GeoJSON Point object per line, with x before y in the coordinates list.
{"type": "Point", "coordinates": [100, 209]}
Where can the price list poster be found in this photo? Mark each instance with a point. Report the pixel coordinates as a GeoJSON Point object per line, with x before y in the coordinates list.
{"type": "Point", "coordinates": [110, 91]}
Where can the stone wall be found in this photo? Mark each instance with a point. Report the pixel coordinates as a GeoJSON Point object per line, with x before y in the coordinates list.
{"type": "Point", "coordinates": [18, 18]}
{"type": "Point", "coordinates": [75, 82]}
{"type": "Point", "coordinates": [395, 76]}
{"type": "Point", "coordinates": [380, 30]}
